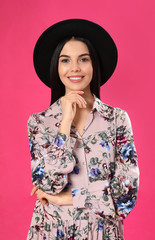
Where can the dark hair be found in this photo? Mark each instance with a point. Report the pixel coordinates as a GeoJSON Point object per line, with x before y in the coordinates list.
{"type": "Point", "coordinates": [57, 87]}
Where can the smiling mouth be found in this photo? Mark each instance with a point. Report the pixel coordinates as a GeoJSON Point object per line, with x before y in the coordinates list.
{"type": "Point", "coordinates": [76, 78]}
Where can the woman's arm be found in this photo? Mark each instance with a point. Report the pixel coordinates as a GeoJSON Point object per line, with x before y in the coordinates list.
{"type": "Point", "coordinates": [50, 161]}
{"type": "Point", "coordinates": [123, 182]}
{"type": "Point", "coordinates": [62, 198]}
{"type": "Point", "coordinates": [125, 178]}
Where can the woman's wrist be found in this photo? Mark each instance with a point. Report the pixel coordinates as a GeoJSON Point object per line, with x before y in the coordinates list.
{"type": "Point", "coordinates": [62, 198]}
{"type": "Point", "coordinates": [67, 198]}
{"type": "Point", "coordinates": [65, 127]}
{"type": "Point", "coordinates": [55, 199]}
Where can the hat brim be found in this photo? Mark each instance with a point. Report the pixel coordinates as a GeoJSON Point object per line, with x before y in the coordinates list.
{"type": "Point", "coordinates": [98, 36]}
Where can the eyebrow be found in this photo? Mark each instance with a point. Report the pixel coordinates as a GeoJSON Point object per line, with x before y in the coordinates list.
{"type": "Point", "coordinates": [84, 54]}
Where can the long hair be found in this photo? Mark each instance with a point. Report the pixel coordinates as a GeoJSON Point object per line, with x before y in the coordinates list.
{"type": "Point", "coordinates": [57, 87]}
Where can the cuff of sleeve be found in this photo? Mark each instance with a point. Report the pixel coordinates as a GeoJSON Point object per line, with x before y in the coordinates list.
{"type": "Point", "coordinates": [120, 216]}
{"type": "Point", "coordinates": [80, 197]}
{"type": "Point", "coordinates": [64, 141]}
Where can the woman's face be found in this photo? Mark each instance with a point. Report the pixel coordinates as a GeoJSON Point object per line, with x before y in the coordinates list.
{"type": "Point", "coordinates": [75, 66]}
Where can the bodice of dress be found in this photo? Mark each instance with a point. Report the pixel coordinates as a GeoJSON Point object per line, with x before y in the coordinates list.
{"type": "Point", "coordinates": [100, 167]}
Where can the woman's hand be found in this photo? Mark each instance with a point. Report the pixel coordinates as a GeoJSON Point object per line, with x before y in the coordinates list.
{"type": "Point", "coordinates": [62, 198]}
{"type": "Point", "coordinates": [42, 196]}
{"type": "Point", "coordinates": [69, 102]}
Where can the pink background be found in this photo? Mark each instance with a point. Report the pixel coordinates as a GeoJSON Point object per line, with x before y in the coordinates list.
{"type": "Point", "coordinates": [131, 24]}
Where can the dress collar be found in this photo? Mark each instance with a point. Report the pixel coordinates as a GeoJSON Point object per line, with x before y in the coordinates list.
{"type": "Point", "coordinates": [106, 111]}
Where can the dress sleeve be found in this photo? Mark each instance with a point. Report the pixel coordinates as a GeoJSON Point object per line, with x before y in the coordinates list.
{"type": "Point", "coordinates": [125, 177]}
{"type": "Point", "coordinates": [52, 161]}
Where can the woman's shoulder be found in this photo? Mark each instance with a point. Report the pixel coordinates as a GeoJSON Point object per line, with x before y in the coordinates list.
{"type": "Point", "coordinates": [108, 110]}
{"type": "Point", "coordinates": [112, 110]}
{"type": "Point", "coordinates": [119, 114]}
{"type": "Point", "coordinates": [53, 111]}
{"type": "Point", "coordinates": [115, 114]}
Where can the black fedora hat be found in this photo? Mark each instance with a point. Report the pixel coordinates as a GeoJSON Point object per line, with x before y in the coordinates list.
{"type": "Point", "coordinates": [97, 35]}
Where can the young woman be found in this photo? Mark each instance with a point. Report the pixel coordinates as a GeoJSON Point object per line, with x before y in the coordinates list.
{"type": "Point", "coordinates": [83, 158]}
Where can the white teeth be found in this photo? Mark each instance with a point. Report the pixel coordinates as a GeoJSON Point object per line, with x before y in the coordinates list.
{"type": "Point", "coordinates": [75, 78]}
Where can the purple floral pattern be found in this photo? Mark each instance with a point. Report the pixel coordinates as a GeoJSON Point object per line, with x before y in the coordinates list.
{"type": "Point", "coordinates": [100, 168]}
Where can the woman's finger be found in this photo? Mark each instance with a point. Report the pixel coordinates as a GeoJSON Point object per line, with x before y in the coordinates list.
{"type": "Point", "coordinates": [40, 195]}
{"type": "Point", "coordinates": [34, 189]}
{"type": "Point", "coordinates": [42, 199]}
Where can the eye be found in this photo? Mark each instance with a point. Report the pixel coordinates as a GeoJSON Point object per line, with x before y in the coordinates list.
{"type": "Point", "coordinates": [84, 59]}
{"type": "Point", "coordinates": [65, 60]}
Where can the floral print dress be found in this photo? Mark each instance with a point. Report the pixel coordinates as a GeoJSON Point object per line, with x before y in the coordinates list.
{"type": "Point", "coordinates": [99, 167]}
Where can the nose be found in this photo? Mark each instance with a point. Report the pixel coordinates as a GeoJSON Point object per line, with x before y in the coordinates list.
{"type": "Point", "coordinates": [75, 67]}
